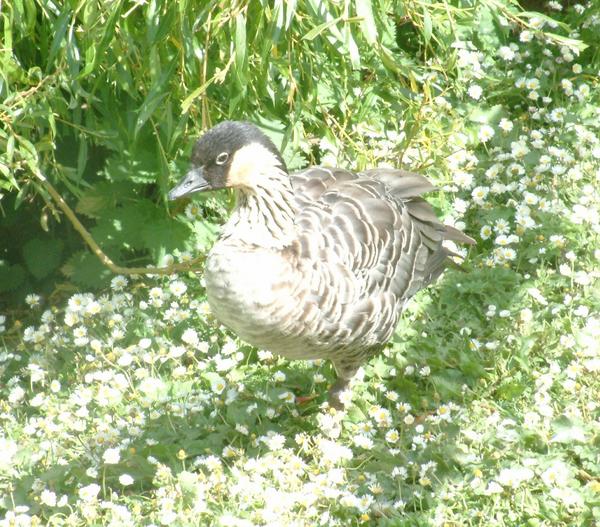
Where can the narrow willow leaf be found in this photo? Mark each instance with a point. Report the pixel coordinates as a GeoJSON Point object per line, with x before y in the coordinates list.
{"type": "Point", "coordinates": [90, 60]}
{"type": "Point", "coordinates": [427, 25]}
{"type": "Point", "coordinates": [289, 14]}
{"type": "Point", "coordinates": [387, 59]}
{"type": "Point", "coordinates": [315, 32]}
{"type": "Point", "coordinates": [157, 93]}
{"type": "Point", "coordinates": [352, 48]}
{"type": "Point", "coordinates": [59, 28]}
{"type": "Point", "coordinates": [569, 42]}
{"type": "Point", "coordinates": [82, 156]}
{"type": "Point", "coordinates": [279, 14]}
{"type": "Point", "coordinates": [189, 100]}
{"type": "Point", "coordinates": [10, 148]}
{"type": "Point", "coordinates": [540, 16]}
{"type": "Point", "coordinates": [109, 31]}
{"type": "Point", "coordinates": [240, 47]}
{"type": "Point", "coordinates": [72, 53]}
{"type": "Point", "coordinates": [364, 9]}
{"type": "Point", "coordinates": [8, 39]}
{"type": "Point", "coordinates": [161, 26]}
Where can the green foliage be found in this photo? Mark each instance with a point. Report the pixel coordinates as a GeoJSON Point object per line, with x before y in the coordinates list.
{"type": "Point", "coordinates": [105, 97]}
{"type": "Point", "coordinates": [484, 408]}
{"type": "Point", "coordinates": [42, 256]}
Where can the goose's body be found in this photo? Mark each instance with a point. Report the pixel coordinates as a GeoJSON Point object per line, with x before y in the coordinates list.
{"type": "Point", "coordinates": [319, 263]}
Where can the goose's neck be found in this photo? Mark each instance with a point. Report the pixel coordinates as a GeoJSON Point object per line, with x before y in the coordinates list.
{"type": "Point", "coordinates": [264, 213]}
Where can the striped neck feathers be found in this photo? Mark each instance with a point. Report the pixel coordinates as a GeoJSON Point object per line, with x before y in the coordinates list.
{"type": "Point", "coordinates": [265, 206]}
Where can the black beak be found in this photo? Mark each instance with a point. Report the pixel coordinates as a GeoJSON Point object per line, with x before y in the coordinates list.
{"type": "Point", "coordinates": [192, 182]}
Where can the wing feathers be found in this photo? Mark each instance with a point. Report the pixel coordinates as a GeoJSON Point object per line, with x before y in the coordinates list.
{"type": "Point", "coordinates": [402, 184]}
{"type": "Point", "coordinates": [379, 243]}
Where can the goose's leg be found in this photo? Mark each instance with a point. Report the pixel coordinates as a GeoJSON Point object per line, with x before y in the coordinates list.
{"type": "Point", "coordinates": [345, 372]}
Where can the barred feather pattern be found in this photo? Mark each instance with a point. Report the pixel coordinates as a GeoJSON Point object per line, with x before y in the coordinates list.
{"type": "Point", "coordinates": [319, 263]}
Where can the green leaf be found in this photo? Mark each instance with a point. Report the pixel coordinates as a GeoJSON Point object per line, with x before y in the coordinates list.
{"type": "Point", "coordinates": [205, 234]}
{"type": "Point", "coordinates": [279, 15]}
{"type": "Point", "coordinates": [82, 156]}
{"type": "Point", "coordinates": [86, 270]}
{"type": "Point", "coordinates": [387, 59]}
{"type": "Point", "coordinates": [98, 200]}
{"type": "Point", "coordinates": [351, 47]}
{"type": "Point", "coordinates": [164, 233]}
{"type": "Point", "coordinates": [187, 102]}
{"type": "Point", "coordinates": [42, 256]}
{"type": "Point", "coordinates": [364, 9]}
{"type": "Point", "coordinates": [98, 49]}
{"type": "Point", "coordinates": [569, 42]}
{"type": "Point", "coordinates": [240, 48]}
{"type": "Point", "coordinates": [427, 25]}
{"type": "Point", "coordinates": [567, 431]}
{"type": "Point", "coordinates": [160, 26]}
{"type": "Point", "coordinates": [158, 91]}
{"type": "Point", "coordinates": [486, 114]}
{"type": "Point", "coordinates": [59, 30]}
{"type": "Point", "coordinates": [315, 32]}
{"type": "Point", "coordinates": [11, 276]}
{"type": "Point", "coordinates": [122, 227]}
{"type": "Point", "coordinates": [290, 11]}
{"type": "Point", "coordinates": [552, 22]}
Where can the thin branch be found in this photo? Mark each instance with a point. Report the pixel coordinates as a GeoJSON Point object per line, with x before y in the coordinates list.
{"type": "Point", "coordinates": [192, 265]}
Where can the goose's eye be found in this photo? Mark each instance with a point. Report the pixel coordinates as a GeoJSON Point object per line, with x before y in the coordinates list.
{"type": "Point", "coordinates": [222, 158]}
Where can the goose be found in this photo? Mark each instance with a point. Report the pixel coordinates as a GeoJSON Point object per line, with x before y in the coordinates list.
{"type": "Point", "coordinates": [315, 264]}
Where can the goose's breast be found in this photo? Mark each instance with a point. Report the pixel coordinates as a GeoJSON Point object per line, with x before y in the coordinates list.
{"type": "Point", "coordinates": [250, 291]}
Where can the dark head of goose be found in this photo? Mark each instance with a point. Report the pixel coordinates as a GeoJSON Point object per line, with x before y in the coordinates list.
{"type": "Point", "coordinates": [233, 154]}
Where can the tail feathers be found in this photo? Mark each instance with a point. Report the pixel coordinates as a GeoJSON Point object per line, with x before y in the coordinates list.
{"type": "Point", "coordinates": [457, 236]}
{"type": "Point", "coordinates": [408, 187]}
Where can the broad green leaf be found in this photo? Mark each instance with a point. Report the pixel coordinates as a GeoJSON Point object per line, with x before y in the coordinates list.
{"type": "Point", "coordinates": [486, 114]}
{"type": "Point", "coordinates": [11, 276]}
{"type": "Point", "coordinates": [164, 233]}
{"type": "Point", "coordinates": [42, 256]}
{"type": "Point", "coordinates": [86, 270]}
{"type": "Point", "coordinates": [567, 431]}
{"type": "Point", "coordinates": [121, 227]}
